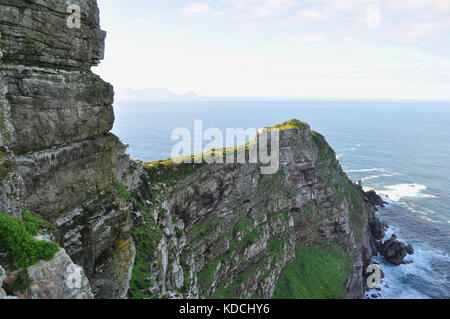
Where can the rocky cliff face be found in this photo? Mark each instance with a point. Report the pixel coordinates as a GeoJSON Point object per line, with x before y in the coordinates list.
{"type": "Point", "coordinates": [225, 230]}
{"type": "Point", "coordinates": [157, 229]}
{"type": "Point", "coordinates": [57, 155]}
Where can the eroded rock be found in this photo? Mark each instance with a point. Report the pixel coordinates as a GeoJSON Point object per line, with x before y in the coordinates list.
{"type": "Point", "coordinates": [59, 278]}
{"type": "Point", "coordinates": [395, 251]}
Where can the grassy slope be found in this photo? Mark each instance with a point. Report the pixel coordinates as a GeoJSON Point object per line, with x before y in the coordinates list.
{"type": "Point", "coordinates": [316, 273]}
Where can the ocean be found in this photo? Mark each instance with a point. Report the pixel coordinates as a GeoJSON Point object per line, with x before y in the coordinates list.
{"type": "Point", "coordinates": [399, 149]}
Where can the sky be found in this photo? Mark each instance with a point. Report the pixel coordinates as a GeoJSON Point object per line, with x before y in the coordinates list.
{"type": "Point", "coordinates": [358, 49]}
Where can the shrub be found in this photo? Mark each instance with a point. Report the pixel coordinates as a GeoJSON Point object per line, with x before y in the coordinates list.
{"type": "Point", "coordinates": [18, 242]}
{"type": "Point", "coordinates": [33, 223]}
{"type": "Point", "coordinates": [22, 283]}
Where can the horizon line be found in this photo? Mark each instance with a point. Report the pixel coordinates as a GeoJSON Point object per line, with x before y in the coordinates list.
{"type": "Point", "coordinates": [343, 99]}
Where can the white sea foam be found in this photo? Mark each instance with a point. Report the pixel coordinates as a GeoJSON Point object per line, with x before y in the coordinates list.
{"type": "Point", "coordinates": [400, 281]}
{"type": "Point", "coordinates": [355, 147]}
{"type": "Point", "coordinates": [378, 176]}
{"type": "Point", "coordinates": [399, 191]}
{"type": "Point", "coordinates": [366, 170]}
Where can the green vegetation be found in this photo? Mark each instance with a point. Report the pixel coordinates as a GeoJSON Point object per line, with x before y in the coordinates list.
{"type": "Point", "coordinates": [231, 291]}
{"type": "Point", "coordinates": [168, 171]}
{"type": "Point", "coordinates": [33, 223]}
{"type": "Point", "coordinates": [341, 185]}
{"type": "Point", "coordinates": [316, 273]}
{"type": "Point", "coordinates": [356, 209]}
{"type": "Point", "coordinates": [243, 224]}
{"type": "Point", "coordinates": [250, 238]}
{"type": "Point", "coordinates": [18, 242]}
{"type": "Point", "coordinates": [205, 228]}
{"type": "Point", "coordinates": [147, 235]}
{"type": "Point", "coordinates": [207, 275]}
{"type": "Point", "coordinates": [269, 183]}
{"type": "Point", "coordinates": [22, 283]}
{"type": "Point", "coordinates": [289, 125]}
{"type": "Point", "coordinates": [284, 216]}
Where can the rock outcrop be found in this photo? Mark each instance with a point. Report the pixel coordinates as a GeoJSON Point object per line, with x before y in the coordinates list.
{"type": "Point", "coordinates": [160, 229]}
{"type": "Point", "coordinates": [374, 199]}
{"type": "Point", "coordinates": [58, 278]}
{"type": "Point", "coordinates": [395, 251]}
{"type": "Point", "coordinates": [57, 156]}
{"type": "Point", "coordinates": [226, 230]}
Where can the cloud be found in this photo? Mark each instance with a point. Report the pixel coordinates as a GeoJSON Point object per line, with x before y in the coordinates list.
{"type": "Point", "coordinates": [307, 39]}
{"type": "Point", "coordinates": [141, 21]}
{"type": "Point", "coordinates": [351, 40]}
{"type": "Point", "coordinates": [261, 8]}
{"type": "Point", "coordinates": [196, 8]}
{"type": "Point", "coordinates": [315, 14]}
{"type": "Point", "coordinates": [200, 9]}
{"type": "Point", "coordinates": [412, 5]}
{"type": "Point", "coordinates": [423, 29]}
{"type": "Point", "coordinates": [344, 5]}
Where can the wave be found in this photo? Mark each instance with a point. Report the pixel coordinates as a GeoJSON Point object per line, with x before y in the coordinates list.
{"type": "Point", "coordinates": [355, 147]}
{"type": "Point", "coordinates": [400, 191]}
{"type": "Point", "coordinates": [378, 176]}
{"type": "Point", "coordinates": [382, 170]}
{"type": "Point", "coordinates": [417, 280]}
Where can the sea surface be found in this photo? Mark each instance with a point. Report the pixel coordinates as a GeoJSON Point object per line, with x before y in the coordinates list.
{"type": "Point", "coordinates": [400, 149]}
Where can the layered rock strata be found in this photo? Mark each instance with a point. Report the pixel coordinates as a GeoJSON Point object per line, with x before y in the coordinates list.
{"type": "Point", "coordinates": [226, 230]}
{"type": "Point", "coordinates": [57, 155]}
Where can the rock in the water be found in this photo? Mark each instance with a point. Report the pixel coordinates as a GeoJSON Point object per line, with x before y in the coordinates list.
{"type": "Point", "coordinates": [374, 198]}
{"type": "Point", "coordinates": [377, 228]}
{"type": "Point", "coordinates": [410, 249]}
{"type": "Point", "coordinates": [58, 278]}
{"type": "Point", "coordinates": [394, 251]}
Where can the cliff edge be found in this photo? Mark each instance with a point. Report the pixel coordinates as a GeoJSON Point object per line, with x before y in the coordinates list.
{"type": "Point", "coordinates": [57, 156]}
{"type": "Point", "coordinates": [228, 231]}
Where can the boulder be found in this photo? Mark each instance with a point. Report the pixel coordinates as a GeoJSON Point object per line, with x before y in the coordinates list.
{"type": "Point", "coordinates": [374, 199]}
{"type": "Point", "coordinates": [394, 251]}
{"type": "Point", "coordinates": [58, 278]}
{"type": "Point", "coordinates": [410, 249]}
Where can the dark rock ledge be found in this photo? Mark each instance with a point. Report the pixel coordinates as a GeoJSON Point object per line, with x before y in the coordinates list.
{"type": "Point", "coordinates": [393, 250]}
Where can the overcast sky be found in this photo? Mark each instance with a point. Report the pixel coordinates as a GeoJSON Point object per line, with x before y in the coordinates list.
{"type": "Point", "coordinates": [383, 49]}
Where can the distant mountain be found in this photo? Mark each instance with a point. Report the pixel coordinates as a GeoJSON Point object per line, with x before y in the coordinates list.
{"type": "Point", "coordinates": [153, 95]}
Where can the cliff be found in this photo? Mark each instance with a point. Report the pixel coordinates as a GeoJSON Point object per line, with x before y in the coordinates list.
{"type": "Point", "coordinates": [142, 230]}
{"type": "Point", "coordinates": [57, 155]}
{"type": "Point", "coordinates": [226, 230]}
